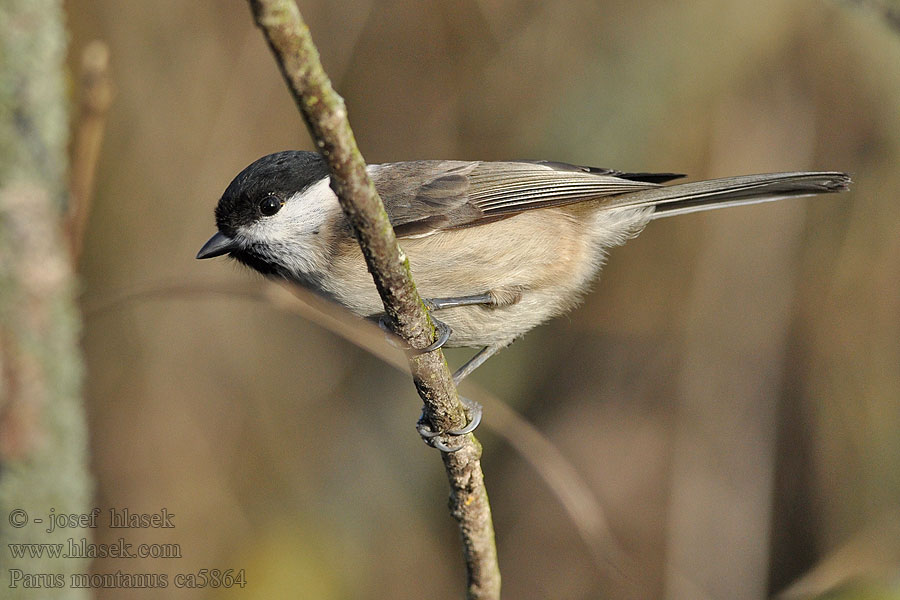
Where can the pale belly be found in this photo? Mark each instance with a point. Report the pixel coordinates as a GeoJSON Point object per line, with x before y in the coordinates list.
{"type": "Point", "coordinates": [550, 258]}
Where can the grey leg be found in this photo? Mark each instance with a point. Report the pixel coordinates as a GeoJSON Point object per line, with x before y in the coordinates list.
{"type": "Point", "coordinates": [453, 302]}
{"type": "Point", "coordinates": [501, 296]}
{"type": "Point", "coordinates": [433, 438]}
{"type": "Point", "coordinates": [476, 361]}
{"type": "Point", "coordinates": [443, 331]}
{"type": "Point", "coordinates": [474, 410]}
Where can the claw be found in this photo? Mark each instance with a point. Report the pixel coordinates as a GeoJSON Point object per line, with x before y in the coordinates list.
{"type": "Point", "coordinates": [443, 335]}
{"type": "Point", "coordinates": [439, 445]}
{"type": "Point", "coordinates": [433, 438]}
{"type": "Point", "coordinates": [477, 413]}
{"type": "Point", "coordinates": [390, 336]}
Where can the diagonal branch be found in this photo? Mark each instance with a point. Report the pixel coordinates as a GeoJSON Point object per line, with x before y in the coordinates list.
{"type": "Point", "coordinates": [560, 476]}
{"type": "Point", "coordinates": [326, 117]}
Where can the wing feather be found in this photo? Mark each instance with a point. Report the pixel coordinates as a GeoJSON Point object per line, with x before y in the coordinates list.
{"type": "Point", "coordinates": [463, 194]}
{"type": "Point", "coordinates": [425, 197]}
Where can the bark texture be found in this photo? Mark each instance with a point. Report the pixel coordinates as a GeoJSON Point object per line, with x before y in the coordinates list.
{"type": "Point", "coordinates": [326, 117]}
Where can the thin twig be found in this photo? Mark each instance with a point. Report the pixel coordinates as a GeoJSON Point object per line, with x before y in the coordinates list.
{"type": "Point", "coordinates": [326, 117]}
{"type": "Point", "coordinates": [563, 481]}
{"type": "Point", "coordinates": [96, 98]}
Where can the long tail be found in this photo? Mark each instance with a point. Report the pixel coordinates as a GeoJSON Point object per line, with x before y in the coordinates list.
{"type": "Point", "coordinates": [691, 197]}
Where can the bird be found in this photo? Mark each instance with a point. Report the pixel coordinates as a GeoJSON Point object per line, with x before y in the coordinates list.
{"type": "Point", "coordinates": [495, 247]}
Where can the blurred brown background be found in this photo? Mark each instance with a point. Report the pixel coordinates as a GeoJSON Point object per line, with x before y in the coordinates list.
{"type": "Point", "coordinates": [730, 392]}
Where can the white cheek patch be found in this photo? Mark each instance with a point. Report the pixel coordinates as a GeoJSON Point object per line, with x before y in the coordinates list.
{"type": "Point", "coordinates": [302, 214]}
{"type": "Point", "coordinates": [311, 209]}
{"type": "Point", "coordinates": [296, 235]}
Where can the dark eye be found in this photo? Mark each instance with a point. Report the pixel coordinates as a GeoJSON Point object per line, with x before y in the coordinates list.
{"type": "Point", "coordinates": [270, 205]}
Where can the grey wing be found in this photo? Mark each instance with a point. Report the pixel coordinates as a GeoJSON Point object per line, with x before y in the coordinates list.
{"type": "Point", "coordinates": [423, 197]}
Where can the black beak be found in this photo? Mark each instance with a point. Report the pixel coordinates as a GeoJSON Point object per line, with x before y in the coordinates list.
{"type": "Point", "coordinates": [217, 245]}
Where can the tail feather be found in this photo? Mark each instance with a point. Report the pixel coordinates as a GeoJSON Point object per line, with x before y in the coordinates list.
{"type": "Point", "coordinates": [696, 196]}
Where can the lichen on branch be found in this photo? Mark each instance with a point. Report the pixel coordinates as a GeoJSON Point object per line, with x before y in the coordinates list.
{"type": "Point", "coordinates": [326, 117]}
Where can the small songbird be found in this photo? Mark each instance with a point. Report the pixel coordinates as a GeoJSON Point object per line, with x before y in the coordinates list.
{"type": "Point", "coordinates": [496, 247]}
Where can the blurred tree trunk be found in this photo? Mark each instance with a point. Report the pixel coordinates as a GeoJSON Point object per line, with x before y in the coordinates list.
{"type": "Point", "coordinates": [43, 439]}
